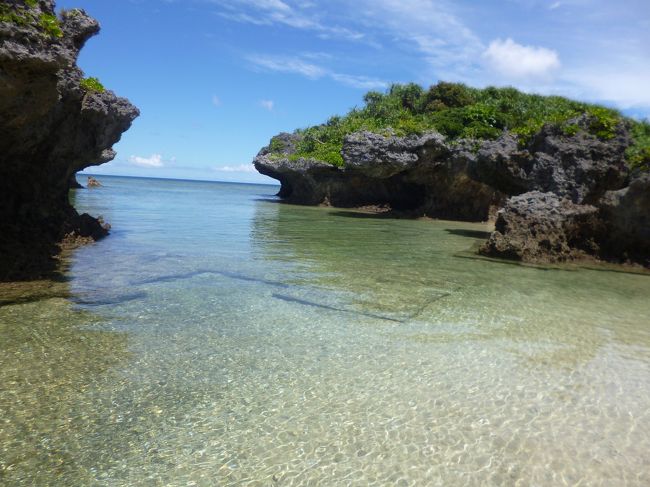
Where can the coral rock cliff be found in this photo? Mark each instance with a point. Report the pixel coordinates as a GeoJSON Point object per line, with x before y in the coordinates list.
{"type": "Point", "coordinates": [52, 125]}
{"type": "Point", "coordinates": [561, 196]}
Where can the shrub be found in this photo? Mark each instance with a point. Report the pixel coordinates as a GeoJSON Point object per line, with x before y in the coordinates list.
{"type": "Point", "coordinates": [638, 154]}
{"type": "Point", "coordinates": [92, 84]}
{"type": "Point", "coordinates": [458, 111]}
{"type": "Point", "coordinates": [449, 95]}
{"type": "Point", "coordinates": [603, 122]}
{"type": "Point", "coordinates": [50, 25]}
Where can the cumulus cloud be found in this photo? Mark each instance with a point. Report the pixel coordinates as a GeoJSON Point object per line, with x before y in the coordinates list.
{"type": "Point", "coordinates": [154, 160]}
{"type": "Point", "coordinates": [267, 104]}
{"type": "Point", "coordinates": [515, 60]}
{"type": "Point", "coordinates": [240, 168]}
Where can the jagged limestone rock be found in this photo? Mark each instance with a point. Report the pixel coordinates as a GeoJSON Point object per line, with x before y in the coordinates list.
{"type": "Point", "coordinates": [563, 196]}
{"type": "Point", "coordinates": [51, 127]}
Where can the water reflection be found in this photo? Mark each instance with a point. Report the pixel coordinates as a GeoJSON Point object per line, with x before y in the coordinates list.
{"type": "Point", "coordinates": [416, 271]}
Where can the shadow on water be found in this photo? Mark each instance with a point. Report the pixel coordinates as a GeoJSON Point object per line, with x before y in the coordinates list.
{"type": "Point", "coordinates": [366, 215]}
{"type": "Point", "coordinates": [107, 298]}
{"type": "Point", "coordinates": [192, 274]}
{"type": "Point", "coordinates": [461, 232]}
{"type": "Point", "coordinates": [577, 266]}
{"type": "Point", "coordinates": [305, 302]}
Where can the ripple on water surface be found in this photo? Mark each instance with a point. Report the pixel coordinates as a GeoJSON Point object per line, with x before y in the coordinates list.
{"type": "Point", "coordinates": [253, 343]}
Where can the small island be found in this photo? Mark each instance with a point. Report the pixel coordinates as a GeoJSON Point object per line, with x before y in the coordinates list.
{"type": "Point", "coordinates": [563, 179]}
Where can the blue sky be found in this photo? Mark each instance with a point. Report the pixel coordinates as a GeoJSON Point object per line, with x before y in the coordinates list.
{"type": "Point", "coordinates": [216, 79]}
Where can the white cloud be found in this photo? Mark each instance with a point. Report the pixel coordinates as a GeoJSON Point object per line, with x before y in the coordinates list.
{"type": "Point", "coordinates": [298, 65]}
{"type": "Point", "coordinates": [429, 25]}
{"type": "Point", "coordinates": [216, 101]}
{"type": "Point", "coordinates": [155, 160]}
{"type": "Point", "coordinates": [363, 82]}
{"type": "Point", "coordinates": [517, 61]}
{"type": "Point", "coordinates": [624, 85]}
{"type": "Point", "coordinates": [596, 51]}
{"type": "Point", "coordinates": [300, 15]}
{"type": "Point", "coordinates": [288, 65]}
{"type": "Point", "coordinates": [267, 104]}
{"type": "Point", "coordinates": [249, 168]}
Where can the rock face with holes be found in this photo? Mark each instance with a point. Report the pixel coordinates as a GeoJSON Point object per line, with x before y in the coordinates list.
{"type": "Point", "coordinates": [52, 125]}
{"type": "Point", "coordinates": [416, 175]}
{"type": "Point", "coordinates": [543, 227]}
{"type": "Point", "coordinates": [561, 196]}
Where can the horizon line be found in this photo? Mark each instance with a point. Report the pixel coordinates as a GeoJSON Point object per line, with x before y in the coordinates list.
{"type": "Point", "coordinates": [173, 179]}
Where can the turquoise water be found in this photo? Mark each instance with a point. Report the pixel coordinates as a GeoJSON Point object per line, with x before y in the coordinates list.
{"type": "Point", "coordinates": [220, 338]}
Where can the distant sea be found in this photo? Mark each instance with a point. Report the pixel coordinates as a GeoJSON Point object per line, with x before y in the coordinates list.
{"type": "Point", "coordinates": [220, 337]}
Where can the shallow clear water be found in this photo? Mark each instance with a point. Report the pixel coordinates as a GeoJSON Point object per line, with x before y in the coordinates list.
{"type": "Point", "coordinates": [218, 337]}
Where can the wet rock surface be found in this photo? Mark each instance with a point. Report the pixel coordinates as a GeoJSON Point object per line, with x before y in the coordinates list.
{"type": "Point", "coordinates": [51, 127]}
{"type": "Point", "coordinates": [562, 196]}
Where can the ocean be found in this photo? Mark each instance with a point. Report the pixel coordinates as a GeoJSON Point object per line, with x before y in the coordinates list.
{"type": "Point", "coordinates": [219, 337]}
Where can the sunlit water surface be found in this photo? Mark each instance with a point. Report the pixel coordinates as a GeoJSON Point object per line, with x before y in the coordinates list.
{"type": "Point", "coordinates": [220, 338]}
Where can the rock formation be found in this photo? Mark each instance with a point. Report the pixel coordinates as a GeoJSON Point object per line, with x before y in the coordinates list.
{"type": "Point", "coordinates": [54, 123]}
{"type": "Point", "coordinates": [562, 196]}
{"type": "Point", "coordinates": [415, 175]}
{"type": "Point", "coordinates": [93, 183]}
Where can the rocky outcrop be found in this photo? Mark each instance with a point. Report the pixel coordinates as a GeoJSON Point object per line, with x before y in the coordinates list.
{"type": "Point", "coordinates": [626, 218]}
{"type": "Point", "coordinates": [415, 175]}
{"type": "Point", "coordinates": [543, 227]}
{"type": "Point", "coordinates": [53, 124]}
{"type": "Point", "coordinates": [93, 183]}
{"type": "Point", "coordinates": [562, 196]}
{"type": "Point", "coordinates": [581, 167]}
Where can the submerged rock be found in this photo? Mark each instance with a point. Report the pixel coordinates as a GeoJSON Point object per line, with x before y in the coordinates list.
{"type": "Point", "coordinates": [93, 183]}
{"type": "Point", "coordinates": [54, 123]}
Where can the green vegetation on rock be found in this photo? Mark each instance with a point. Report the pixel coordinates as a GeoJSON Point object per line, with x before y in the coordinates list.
{"type": "Point", "coordinates": [14, 14]}
{"type": "Point", "coordinates": [22, 16]}
{"type": "Point", "coordinates": [92, 84]}
{"type": "Point", "coordinates": [638, 154]}
{"type": "Point", "coordinates": [458, 111]}
{"type": "Point", "coordinates": [50, 25]}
